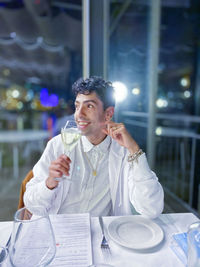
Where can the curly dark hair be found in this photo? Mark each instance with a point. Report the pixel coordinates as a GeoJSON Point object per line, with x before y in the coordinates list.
{"type": "Point", "coordinates": [102, 88]}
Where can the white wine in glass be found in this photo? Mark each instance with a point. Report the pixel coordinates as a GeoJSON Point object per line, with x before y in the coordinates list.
{"type": "Point", "coordinates": [70, 135]}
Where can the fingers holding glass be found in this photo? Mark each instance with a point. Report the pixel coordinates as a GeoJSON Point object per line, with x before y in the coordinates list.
{"type": "Point", "coordinates": [57, 170]}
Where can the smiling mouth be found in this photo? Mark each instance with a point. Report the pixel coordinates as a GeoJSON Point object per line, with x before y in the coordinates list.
{"type": "Point", "coordinates": [82, 124]}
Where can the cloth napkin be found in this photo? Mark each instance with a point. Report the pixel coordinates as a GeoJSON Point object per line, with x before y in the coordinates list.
{"type": "Point", "coordinates": [180, 247]}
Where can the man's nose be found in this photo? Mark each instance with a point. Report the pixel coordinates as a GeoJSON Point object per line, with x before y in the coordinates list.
{"type": "Point", "coordinates": [81, 111]}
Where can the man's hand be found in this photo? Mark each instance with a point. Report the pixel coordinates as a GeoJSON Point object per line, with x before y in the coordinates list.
{"type": "Point", "coordinates": [57, 169]}
{"type": "Point", "coordinates": [119, 133]}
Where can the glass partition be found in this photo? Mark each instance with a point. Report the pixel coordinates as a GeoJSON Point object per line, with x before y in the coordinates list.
{"type": "Point", "coordinates": [176, 100]}
{"type": "Point", "coordinates": [128, 55]}
{"type": "Point", "coordinates": [40, 58]}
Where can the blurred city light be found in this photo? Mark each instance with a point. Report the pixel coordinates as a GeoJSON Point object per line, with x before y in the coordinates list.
{"type": "Point", "coordinates": [161, 103]}
{"type": "Point", "coordinates": [33, 105]}
{"type": "Point", "coordinates": [136, 91]}
{"type": "Point", "coordinates": [20, 105]}
{"type": "Point", "coordinates": [39, 39]}
{"type": "Point", "coordinates": [120, 91]}
{"type": "Point", "coordinates": [185, 81]}
{"type": "Point", "coordinates": [15, 93]}
{"type": "Point", "coordinates": [159, 130]}
{"type": "Point", "coordinates": [13, 34]}
{"type": "Point", "coordinates": [48, 100]}
{"type": "Point", "coordinates": [6, 72]}
{"type": "Point", "coordinates": [187, 94]}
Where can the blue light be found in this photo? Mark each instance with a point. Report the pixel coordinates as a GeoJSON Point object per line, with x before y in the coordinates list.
{"type": "Point", "coordinates": [48, 100]}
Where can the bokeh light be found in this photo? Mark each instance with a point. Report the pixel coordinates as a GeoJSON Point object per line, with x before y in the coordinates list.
{"type": "Point", "coordinates": [120, 91]}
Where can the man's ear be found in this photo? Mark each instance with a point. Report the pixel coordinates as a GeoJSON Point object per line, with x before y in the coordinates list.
{"type": "Point", "coordinates": [109, 113]}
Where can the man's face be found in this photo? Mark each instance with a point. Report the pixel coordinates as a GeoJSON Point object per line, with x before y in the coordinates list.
{"type": "Point", "coordinates": [89, 115]}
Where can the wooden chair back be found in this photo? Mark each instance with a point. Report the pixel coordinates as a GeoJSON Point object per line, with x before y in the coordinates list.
{"type": "Point", "coordinates": [23, 188]}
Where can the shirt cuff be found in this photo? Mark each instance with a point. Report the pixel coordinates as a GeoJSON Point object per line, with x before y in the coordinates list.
{"type": "Point", "coordinates": [141, 170]}
{"type": "Point", "coordinates": [45, 191]}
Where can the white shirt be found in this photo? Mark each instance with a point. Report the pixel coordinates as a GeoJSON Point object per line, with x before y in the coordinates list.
{"type": "Point", "coordinates": [89, 193]}
{"type": "Point", "coordinates": [133, 189]}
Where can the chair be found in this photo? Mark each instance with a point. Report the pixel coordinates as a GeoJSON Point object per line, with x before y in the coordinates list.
{"type": "Point", "coordinates": [23, 188]}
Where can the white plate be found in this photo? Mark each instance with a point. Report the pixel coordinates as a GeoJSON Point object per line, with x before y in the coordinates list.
{"type": "Point", "coordinates": [135, 232]}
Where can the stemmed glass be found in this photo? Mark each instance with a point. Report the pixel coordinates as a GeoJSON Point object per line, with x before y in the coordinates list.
{"type": "Point", "coordinates": [193, 240]}
{"type": "Point", "coordinates": [32, 239]}
{"type": "Point", "coordinates": [70, 135]}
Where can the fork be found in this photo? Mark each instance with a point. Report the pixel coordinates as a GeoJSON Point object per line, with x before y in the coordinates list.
{"type": "Point", "coordinates": [104, 242]}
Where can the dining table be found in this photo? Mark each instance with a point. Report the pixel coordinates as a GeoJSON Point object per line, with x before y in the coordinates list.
{"type": "Point", "coordinates": [161, 254]}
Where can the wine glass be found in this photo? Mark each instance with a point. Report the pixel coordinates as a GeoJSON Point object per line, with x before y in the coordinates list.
{"type": "Point", "coordinates": [32, 239]}
{"type": "Point", "coordinates": [193, 240]}
{"type": "Point", "coordinates": [70, 135]}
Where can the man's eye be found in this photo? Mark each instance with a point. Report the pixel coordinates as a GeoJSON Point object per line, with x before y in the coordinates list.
{"type": "Point", "coordinates": [90, 106]}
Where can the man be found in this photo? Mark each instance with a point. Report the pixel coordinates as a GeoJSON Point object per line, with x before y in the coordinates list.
{"type": "Point", "coordinates": [108, 172]}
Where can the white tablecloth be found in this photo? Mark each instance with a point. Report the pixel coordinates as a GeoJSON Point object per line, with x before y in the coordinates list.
{"type": "Point", "coordinates": [161, 256]}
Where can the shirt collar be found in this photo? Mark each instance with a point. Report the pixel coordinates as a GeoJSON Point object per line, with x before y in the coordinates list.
{"type": "Point", "coordinates": [103, 146]}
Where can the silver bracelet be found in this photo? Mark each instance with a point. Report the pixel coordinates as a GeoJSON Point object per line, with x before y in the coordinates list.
{"type": "Point", "coordinates": [135, 156]}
